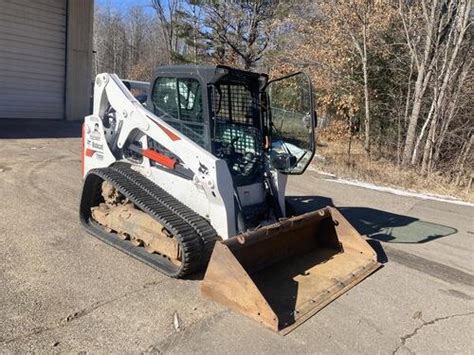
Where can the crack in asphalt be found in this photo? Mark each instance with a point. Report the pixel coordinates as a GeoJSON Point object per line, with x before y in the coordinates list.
{"type": "Point", "coordinates": [408, 336]}
{"type": "Point", "coordinates": [81, 313]}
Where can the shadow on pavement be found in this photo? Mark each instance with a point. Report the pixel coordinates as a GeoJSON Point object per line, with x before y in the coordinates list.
{"type": "Point", "coordinates": [25, 128]}
{"type": "Point", "coordinates": [376, 224]}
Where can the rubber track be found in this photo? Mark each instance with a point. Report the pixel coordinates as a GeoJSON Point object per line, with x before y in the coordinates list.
{"type": "Point", "coordinates": [190, 229]}
{"type": "Point", "coordinates": [200, 225]}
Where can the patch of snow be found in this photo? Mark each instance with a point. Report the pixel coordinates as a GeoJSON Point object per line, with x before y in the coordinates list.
{"type": "Point", "coordinates": [319, 157]}
{"type": "Point", "coordinates": [320, 172]}
{"type": "Point", "coordinates": [400, 192]}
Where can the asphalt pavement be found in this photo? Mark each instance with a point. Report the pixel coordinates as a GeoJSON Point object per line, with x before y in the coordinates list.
{"type": "Point", "coordinates": [64, 291]}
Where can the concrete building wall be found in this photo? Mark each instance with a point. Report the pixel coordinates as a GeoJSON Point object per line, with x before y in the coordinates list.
{"type": "Point", "coordinates": [45, 58]}
{"type": "Point", "coordinates": [32, 59]}
{"type": "Point", "coordinates": [80, 19]}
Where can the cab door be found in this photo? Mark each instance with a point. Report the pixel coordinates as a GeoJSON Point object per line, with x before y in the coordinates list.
{"type": "Point", "coordinates": [292, 123]}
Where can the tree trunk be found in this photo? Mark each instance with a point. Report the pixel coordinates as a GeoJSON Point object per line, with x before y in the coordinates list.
{"type": "Point", "coordinates": [412, 123]}
{"type": "Point", "coordinates": [408, 96]}
{"type": "Point", "coordinates": [366, 91]}
{"type": "Point", "coordinates": [428, 150]}
{"type": "Point", "coordinates": [367, 109]}
{"type": "Point", "coordinates": [414, 157]}
{"type": "Point", "coordinates": [349, 124]}
{"type": "Point", "coordinates": [399, 129]}
{"type": "Point", "coordinates": [463, 160]}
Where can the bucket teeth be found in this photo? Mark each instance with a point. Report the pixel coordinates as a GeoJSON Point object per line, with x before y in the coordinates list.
{"type": "Point", "coordinates": [282, 274]}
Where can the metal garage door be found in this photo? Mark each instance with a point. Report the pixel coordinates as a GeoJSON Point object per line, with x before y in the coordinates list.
{"type": "Point", "coordinates": [32, 58]}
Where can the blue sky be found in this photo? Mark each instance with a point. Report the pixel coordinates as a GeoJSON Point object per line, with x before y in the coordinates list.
{"type": "Point", "coordinates": [123, 4]}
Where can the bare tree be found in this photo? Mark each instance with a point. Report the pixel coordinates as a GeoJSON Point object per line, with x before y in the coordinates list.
{"type": "Point", "coordinates": [138, 30]}
{"type": "Point", "coordinates": [458, 14]}
{"type": "Point", "coordinates": [167, 12]}
{"type": "Point", "coordinates": [356, 24]}
{"type": "Point", "coordinates": [423, 24]}
{"type": "Point", "coordinates": [129, 44]}
{"type": "Point", "coordinates": [241, 26]}
{"type": "Point", "coordinates": [110, 42]}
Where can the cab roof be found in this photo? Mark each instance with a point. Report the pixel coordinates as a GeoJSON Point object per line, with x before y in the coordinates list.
{"type": "Point", "coordinates": [209, 73]}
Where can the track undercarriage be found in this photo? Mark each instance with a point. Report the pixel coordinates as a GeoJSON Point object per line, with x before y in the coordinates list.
{"type": "Point", "coordinates": [118, 215]}
{"type": "Point", "coordinates": [124, 209]}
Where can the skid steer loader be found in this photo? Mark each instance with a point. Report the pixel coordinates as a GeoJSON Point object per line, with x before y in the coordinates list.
{"type": "Point", "coordinates": [196, 176]}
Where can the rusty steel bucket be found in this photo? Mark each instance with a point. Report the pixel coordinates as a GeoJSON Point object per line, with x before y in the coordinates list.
{"type": "Point", "coordinates": [282, 274]}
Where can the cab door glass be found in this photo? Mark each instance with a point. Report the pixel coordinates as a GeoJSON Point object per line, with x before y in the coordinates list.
{"type": "Point", "coordinates": [292, 123]}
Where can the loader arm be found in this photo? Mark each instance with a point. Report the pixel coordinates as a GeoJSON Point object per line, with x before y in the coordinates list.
{"type": "Point", "coordinates": [208, 173]}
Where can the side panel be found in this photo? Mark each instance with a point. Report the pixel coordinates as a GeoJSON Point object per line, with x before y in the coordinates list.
{"type": "Point", "coordinates": [182, 189]}
{"type": "Point", "coordinates": [95, 151]}
{"type": "Point", "coordinates": [207, 201]}
{"type": "Point", "coordinates": [221, 202]}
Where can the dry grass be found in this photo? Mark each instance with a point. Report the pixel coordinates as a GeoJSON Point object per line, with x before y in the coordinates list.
{"type": "Point", "coordinates": [379, 170]}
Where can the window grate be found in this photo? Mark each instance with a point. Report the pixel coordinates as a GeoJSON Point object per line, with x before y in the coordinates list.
{"type": "Point", "coordinates": [235, 103]}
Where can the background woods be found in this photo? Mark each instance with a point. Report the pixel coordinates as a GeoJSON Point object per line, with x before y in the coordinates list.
{"type": "Point", "coordinates": [394, 77]}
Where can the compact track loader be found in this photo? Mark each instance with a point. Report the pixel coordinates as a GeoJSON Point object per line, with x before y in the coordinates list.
{"type": "Point", "coordinates": [194, 176]}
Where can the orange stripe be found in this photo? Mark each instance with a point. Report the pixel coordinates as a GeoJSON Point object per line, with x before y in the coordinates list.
{"type": "Point", "coordinates": [160, 158]}
{"type": "Point", "coordinates": [89, 152]}
{"type": "Point", "coordinates": [83, 147]}
{"type": "Point", "coordinates": [170, 134]}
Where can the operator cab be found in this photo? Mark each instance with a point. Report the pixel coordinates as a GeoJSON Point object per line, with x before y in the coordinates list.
{"type": "Point", "coordinates": [239, 116]}
{"type": "Point", "coordinates": [217, 108]}
{"type": "Point", "coordinates": [254, 124]}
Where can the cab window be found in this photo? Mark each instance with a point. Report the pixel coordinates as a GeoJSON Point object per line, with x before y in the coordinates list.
{"type": "Point", "coordinates": [178, 101]}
